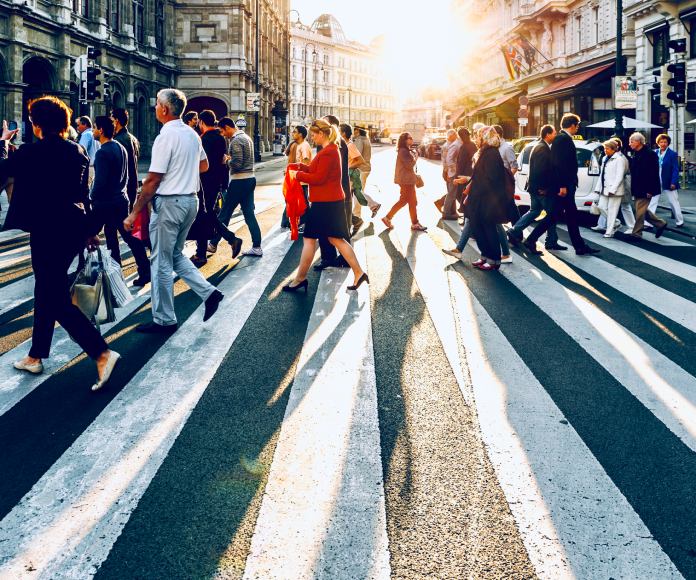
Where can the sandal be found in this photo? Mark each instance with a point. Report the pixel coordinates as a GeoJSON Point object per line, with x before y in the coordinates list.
{"type": "Point", "coordinates": [417, 227]}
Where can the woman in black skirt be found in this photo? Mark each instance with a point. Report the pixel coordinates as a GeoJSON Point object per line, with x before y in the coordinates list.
{"type": "Point", "coordinates": [325, 217]}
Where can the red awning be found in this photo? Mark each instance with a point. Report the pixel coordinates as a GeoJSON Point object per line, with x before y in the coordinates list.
{"type": "Point", "coordinates": [480, 108]}
{"type": "Point", "coordinates": [570, 82]}
{"type": "Point", "coordinates": [501, 101]}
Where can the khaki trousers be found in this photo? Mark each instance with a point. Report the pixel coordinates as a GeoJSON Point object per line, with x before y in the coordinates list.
{"type": "Point", "coordinates": [643, 213]}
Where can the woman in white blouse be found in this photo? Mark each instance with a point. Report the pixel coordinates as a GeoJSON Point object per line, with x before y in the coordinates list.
{"type": "Point", "coordinates": [610, 185]}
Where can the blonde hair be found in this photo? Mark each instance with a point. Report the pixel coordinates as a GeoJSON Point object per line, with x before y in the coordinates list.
{"type": "Point", "coordinates": [612, 144]}
{"type": "Point", "coordinates": [330, 131]}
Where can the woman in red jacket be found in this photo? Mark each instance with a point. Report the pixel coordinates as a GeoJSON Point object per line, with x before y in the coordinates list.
{"type": "Point", "coordinates": [326, 215]}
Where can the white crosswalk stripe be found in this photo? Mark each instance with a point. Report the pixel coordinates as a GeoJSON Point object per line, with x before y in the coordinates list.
{"type": "Point", "coordinates": [323, 509]}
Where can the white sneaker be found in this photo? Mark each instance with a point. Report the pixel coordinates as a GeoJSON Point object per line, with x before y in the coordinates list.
{"type": "Point", "coordinates": [33, 368]}
{"type": "Point", "coordinates": [506, 260]}
{"type": "Point", "coordinates": [609, 235]}
{"type": "Point", "coordinates": [617, 224]}
{"type": "Point", "coordinates": [255, 252]}
{"type": "Point", "coordinates": [597, 229]}
{"type": "Point", "coordinates": [454, 253]}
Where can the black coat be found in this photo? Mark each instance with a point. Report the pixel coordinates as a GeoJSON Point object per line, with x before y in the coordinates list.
{"type": "Point", "coordinates": [465, 159]}
{"type": "Point", "coordinates": [645, 173]}
{"type": "Point", "coordinates": [132, 147]}
{"type": "Point", "coordinates": [487, 201]}
{"type": "Point", "coordinates": [217, 176]}
{"type": "Point", "coordinates": [50, 187]}
{"type": "Point", "coordinates": [565, 161]}
{"type": "Point", "coordinates": [541, 174]}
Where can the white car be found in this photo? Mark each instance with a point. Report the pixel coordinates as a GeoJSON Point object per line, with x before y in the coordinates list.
{"type": "Point", "coordinates": [589, 154]}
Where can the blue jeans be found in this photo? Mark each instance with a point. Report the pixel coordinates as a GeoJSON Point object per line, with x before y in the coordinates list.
{"type": "Point", "coordinates": [170, 221]}
{"type": "Point", "coordinates": [240, 192]}
{"type": "Point", "coordinates": [548, 224]}
{"type": "Point", "coordinates": [535, 209]}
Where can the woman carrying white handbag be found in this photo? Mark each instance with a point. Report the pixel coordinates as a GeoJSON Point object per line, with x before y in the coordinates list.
{"type": "Point", "coordinates": [610, 185]}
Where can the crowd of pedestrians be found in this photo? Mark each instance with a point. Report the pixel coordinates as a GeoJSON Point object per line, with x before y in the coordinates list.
{"type": "Point", "coordinates": [66, 190]}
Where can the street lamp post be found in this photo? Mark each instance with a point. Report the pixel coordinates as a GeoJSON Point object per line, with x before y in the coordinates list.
{"type": "Point", "coordinates": [257, 135]}
{"type": "Point", "coordinates": [314, 51]}
{"type": "Point", "coordinates": [618, 114]}
{"type": "Point", "coordinates": [287, 76]}
{"type": "Point", "coordinates": [315, 84]}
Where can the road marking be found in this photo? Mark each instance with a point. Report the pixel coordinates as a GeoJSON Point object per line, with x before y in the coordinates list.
{"type": "Point", "coordinates": [556, 489]}
{"type": "Point", "coordinates": [643, 255]}
{"type": "Point", "coordinates": [648, 236]}
{"type": "Point", "coordinates": [323, 511]}
{"type": "Point", "coordinates": [66, 525]}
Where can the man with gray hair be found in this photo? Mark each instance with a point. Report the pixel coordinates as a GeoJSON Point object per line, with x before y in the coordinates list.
{"type": "Point", "coordinates": [645, 184]}
{"type": "Point", "coordinates": [449, 173]}
{"type": "Point", "coordinates": [172, 184]}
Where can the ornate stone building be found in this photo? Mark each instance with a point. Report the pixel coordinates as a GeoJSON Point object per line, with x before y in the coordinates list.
{"type": "Point", "coordinates": [340, 76]}
{"type": "Point", "coordinates": [202, 46]}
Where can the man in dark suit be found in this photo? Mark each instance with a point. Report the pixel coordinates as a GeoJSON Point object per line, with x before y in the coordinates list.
{"type": "Point", "coordinates": [565, 168]}
{"type": "Point", "coordinates": [645, 184]}
{"type": "Point", "coordinates": [541, 192]}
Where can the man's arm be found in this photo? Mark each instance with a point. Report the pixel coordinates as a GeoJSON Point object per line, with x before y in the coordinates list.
{"type": "Point", "coordinates": [236, 155]}
{"type": "Point", "coordinates": [203, 166]}
{"type": "Point", "coordinates": [147, 192]}
{"type": "Point", "coordinates": [674, 183]}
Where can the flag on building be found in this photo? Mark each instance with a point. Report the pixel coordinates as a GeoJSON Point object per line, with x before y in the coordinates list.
{"type": "Point", "coordinates": [513, 60]}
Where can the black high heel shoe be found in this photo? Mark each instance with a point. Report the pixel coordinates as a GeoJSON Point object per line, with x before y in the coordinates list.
{"type": "Point", "coordinates": [289, 288]}
{"type": "Point", "coordinates": [363, 278]}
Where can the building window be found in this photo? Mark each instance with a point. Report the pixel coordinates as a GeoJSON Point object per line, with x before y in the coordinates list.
{"type": "Point", "coordinates": [114, 8]}
{"type": "Point", "coordinates": [595, 20]}
{"type": "Point", "coordinates": [138, 24]}
{"type": "Point", "coordinates": [578, 26]}
{"type": "Point", "coordinates": [564, 40]}
{"type": "Point", "coordinates": [81, 7]}
{"type": "Point", "coordinates": [692, 38]}
{"type": "Point", "coordinates": [159, 24]}
{"type": "Point", "coordinates": [660, 38]}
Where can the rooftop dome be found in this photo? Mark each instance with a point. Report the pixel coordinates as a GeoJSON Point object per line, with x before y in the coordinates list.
{"type": "Point", "coordinates": [327, 25]}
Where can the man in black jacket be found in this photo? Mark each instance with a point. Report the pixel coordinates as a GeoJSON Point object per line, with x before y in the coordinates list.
{"type": "Point", "coordinates": [645, 184]}
{"type": "Point", "coordinates": [542, 194]}
{"type": "Point", "coordinates": [132, 147]}
{"type": "Point", "coordinates": [109, 198]}
{"type": "Point", "coordinates": [565, 168]}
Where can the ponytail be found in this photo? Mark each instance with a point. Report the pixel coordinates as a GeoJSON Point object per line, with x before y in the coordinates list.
{"type": "Point", "coordinates": [331, 131]}
{"type": "Point", "coordinates": [334, 137]}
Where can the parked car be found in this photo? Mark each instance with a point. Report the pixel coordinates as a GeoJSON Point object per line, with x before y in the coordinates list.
{"type": "Point", "coordinates": [589, 156]}
{"type": "Point", "coordinates": [434, 148]}
{"type": "Point", "coordinates": [519, 144]}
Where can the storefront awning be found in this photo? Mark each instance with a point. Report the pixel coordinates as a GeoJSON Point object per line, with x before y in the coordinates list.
{"type": "Point", "coordinates": [480, 108]}
{"type": "Point", "coordinates": [500, 101]}
{"type": "Point", "coordinates": [570, 82]}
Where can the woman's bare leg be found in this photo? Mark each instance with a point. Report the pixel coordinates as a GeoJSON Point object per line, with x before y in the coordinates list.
{"type": "Point", "coordinates": [308, 250]}
{"type": "Point", "coordinates": [346, 250]}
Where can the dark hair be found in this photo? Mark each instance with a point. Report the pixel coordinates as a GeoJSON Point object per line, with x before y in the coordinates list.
{"type": "Point", "coordinates": [360, 131]}
{"type": "Point", "coordinates": [401, 143]}
{"type": "Point", "coordinates": [464, 134]}
{"type": "Point", "coordinates": [662, 136]}
{"type": "Point", "coordinates": [207, 117]}
{"type": "Point", "coordinates": [51, 115]}
{"type": "Point", "coordinates": [105, 125]}
{"type": "Point", "coordinates": [332, 119]}
{"type": "Point", "coordinates": [189, 116]}
{"type": "Point", "coordinates": [546, 130]}
{"type": "Point", "coordinates": [346, 129]}
{"type": "Point", "coordinates": [84, 121]}
{"type": "Point", "coordinates": [302, 130]}
{"type": "Point", "coordinates": [498, 129]}
{"type": "Point", "coordinates": [121, 115]}
{"type": "Point", "coordinates": [569, 120]}
{"type": "Point", "coordinates": [227, 122]}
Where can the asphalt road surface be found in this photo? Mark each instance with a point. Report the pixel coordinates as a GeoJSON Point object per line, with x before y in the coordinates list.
{"type": "Point", "coordinates": [441, 422]}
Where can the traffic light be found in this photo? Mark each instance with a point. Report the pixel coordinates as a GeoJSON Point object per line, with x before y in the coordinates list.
{"type": "Point", "coordinates": [677, 45]}
{"type": "Point", "coordinates": [93, 53]}
{"type": "Point", "coordinates": [663, 86]}
{"type": "Point", "coordinates": [93, 82]}
{"type": "Point", "coordinates": [677, 82]}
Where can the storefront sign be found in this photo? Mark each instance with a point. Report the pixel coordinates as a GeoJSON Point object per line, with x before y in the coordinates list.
{"type": "Point", "coordinates": [523, 121]}
{"type": "Point", "coordinates": [625, 93]}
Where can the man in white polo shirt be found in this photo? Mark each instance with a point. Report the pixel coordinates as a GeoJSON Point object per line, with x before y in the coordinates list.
{"type": "Point", "coordinates": [171, 183]}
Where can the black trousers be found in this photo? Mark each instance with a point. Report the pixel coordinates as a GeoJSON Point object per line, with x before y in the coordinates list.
{"type": "Point", "coordinates": [51, 256]}
{"type": "Point", "coordinates": [210, 195]}
{"type": "Point", "coordinates": [328, 252]}
{"type": "Point", "coordinates": [547, 223]}
{"type": "Point", "coordinates": [112, 221]}
{"type": "Point", "coordinates": [566, 205]}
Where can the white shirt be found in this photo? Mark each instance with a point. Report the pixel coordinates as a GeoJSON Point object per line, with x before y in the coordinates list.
{"type": "Point", "coordinates": [177, 153]}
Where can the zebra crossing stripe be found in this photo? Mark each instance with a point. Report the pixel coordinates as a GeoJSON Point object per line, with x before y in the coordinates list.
{"type": "Point", "coordinates": [323, 510]}
{"type": "Point", "coordinates": [675, 267]}
{"type": "Point", "coordinates": [66, 525]}
{"type": "Point", "coordinates": [648, 236]}
{"type": "Point", "coordinates": [674, 307]}
{"type": "Point", "coordinates": [556, 489]}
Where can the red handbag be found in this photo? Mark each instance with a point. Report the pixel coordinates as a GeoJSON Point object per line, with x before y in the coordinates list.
{"type": "Point", "coordinates": [141, 225]}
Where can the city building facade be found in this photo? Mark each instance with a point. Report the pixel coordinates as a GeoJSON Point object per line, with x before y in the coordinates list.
{"type": "Point", "coordinates": [205, 48]}
{"type": "Point", "coordinates": [573, 49]}
{"type": "Point", "coordinates": [331, 74]}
